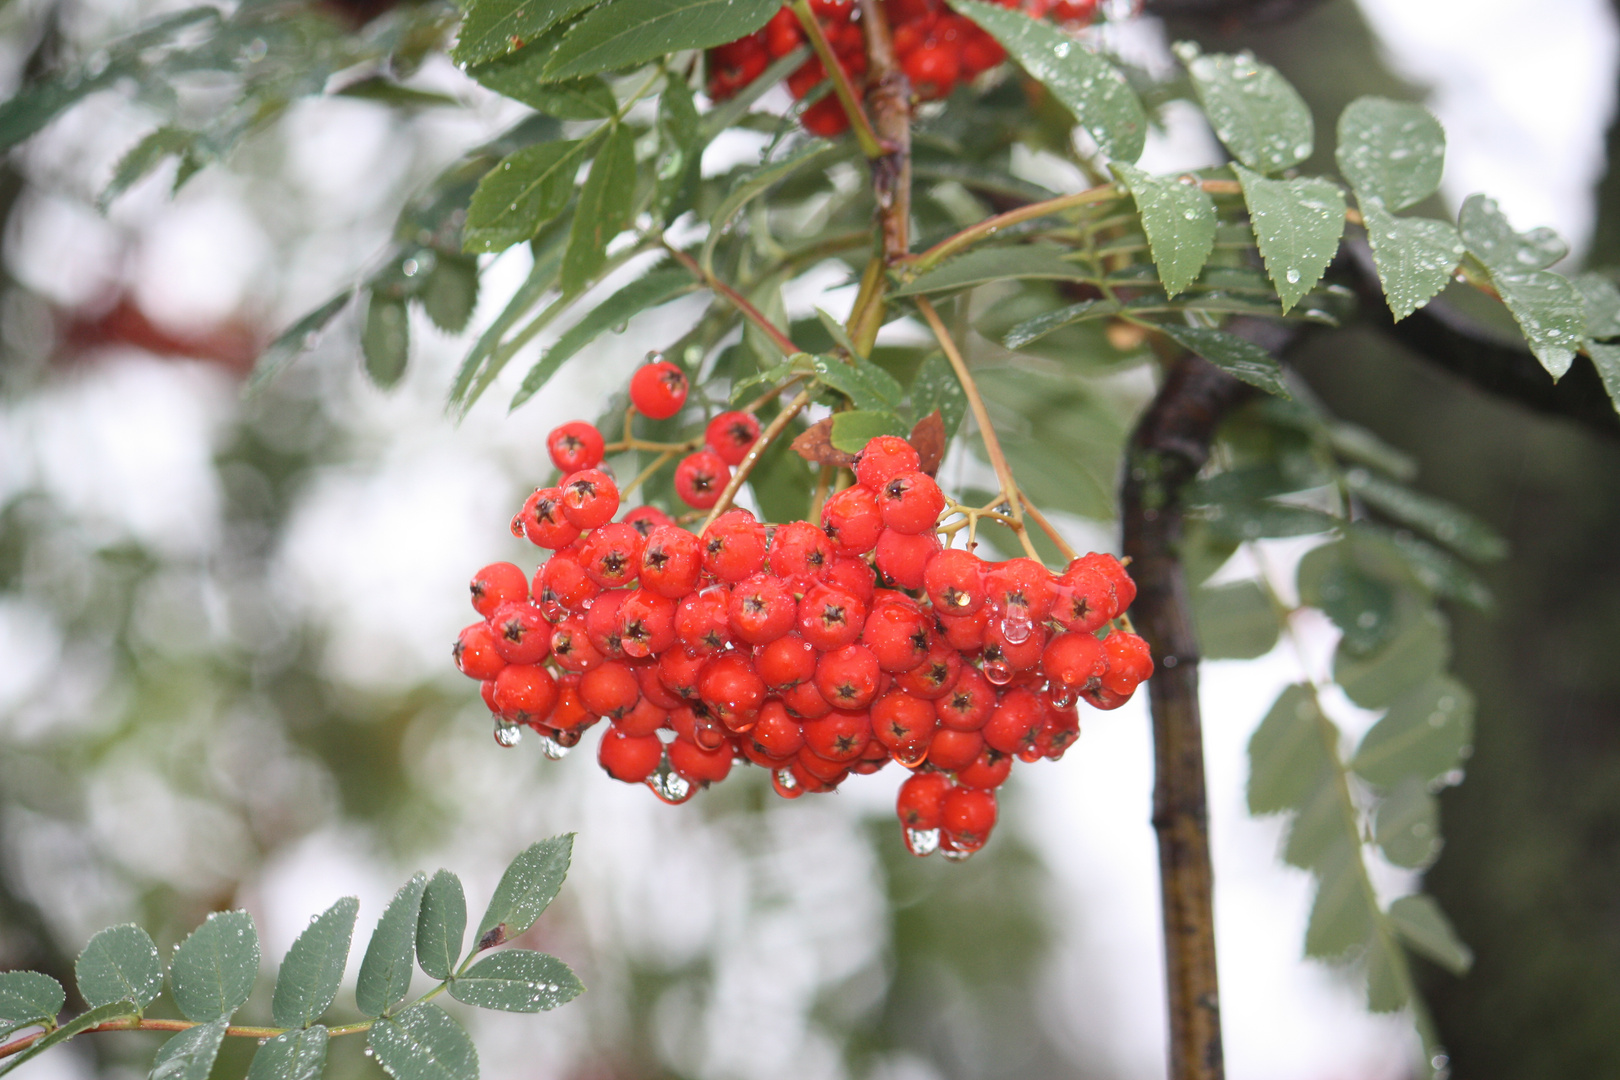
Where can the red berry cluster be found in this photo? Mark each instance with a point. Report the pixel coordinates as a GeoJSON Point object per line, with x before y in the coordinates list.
{"type": "Point", "coordinates": [813, 651]}
{"type": "Point", "coordinates": [936, 48]}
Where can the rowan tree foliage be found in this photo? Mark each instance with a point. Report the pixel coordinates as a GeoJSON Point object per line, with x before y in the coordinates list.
{"type": "Point", "coordinates": [991, 318]}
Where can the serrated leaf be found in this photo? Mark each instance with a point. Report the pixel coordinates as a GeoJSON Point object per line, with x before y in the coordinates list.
{"type": "Point", "coordinates": [1297, 224]}
{"type": "Point", "coordinates": [522, 192]}
{"type": "Point", "coordinates": [423, 1043]}
{"type": "Point", "coordinates": [313, 969]}
{"type": "Point", "coordinates": [441, 925]}
{"type": "Point", "coordinates": [1602, 299]}
{"type": "Point", "coordinates": [517, 980]}
{"type": "Point", "coordinates": [1547, 307]}
{"type": "Point", "coordinates": [1606, 358]}
{"type": "Point", "coordinates": [678, 168]}
{"type": "Point", "coordinates": [1426, 930]}
{"type": "Point", "coordinates": [527, 888]}
{"type": "Point", "coordinates": [190, 1054]}
{"type": "Point", "coordinates": [451, 292]}
{"type": "Point", "coordinates": [145, 156]}
{"type": "Point", "coordinates": [1254, 111]}
{"type": "Point", "coordinates": [816, 154]}
{"type": "Point", "coordinates": [836, 331]}
{"type": "Point", "coordinates": [621, 33]}
{"type": "Point", "coordinates": [32, 109]}
{"type": "Point", "coordinates": [1360, 604]}
{"type": "Point", "coordinates": [1425, 735]}
{"type": "Point", "coordinates": [1032, 330]}
{"type": "Point", "coordinates": [1415, 257]}
{"type": "Point", "coordinates": [1457, 529]}
{"type": "Point", "coordinates": [292, 1055]}
{"type": "Point", "coordinates": [294, 341]}
{"type": "Point", "coordinates": [604, 209]}
{"type": "Point", "coordinates": [385, 973]}
{"type": "Point", "coordinates": [1342, 914]}
{"type": "Point", "coordinates": [571, 99]}
{"type": "Point", "coordinates": [119, 964]}
{"type": "Point", "coordinates": [1089, 86]}
{"type": "Point", "coordinates": [1407, 825]}
{"type": "Point", "coordinates": [650, 291]}
{"type": "Point", "coordinates": [1235, 622]}
{"type": "Point", "coordinates": [1417, 651]}
{"type": "Point", "coordinates": [852, 430]}
{"type": "Point", "coordinates": [385, 340]}
{"type": "Point", "coordinates": [1389, 981]}
{"type": "Point", "coordinates": [866, 385]}
{"type": "Point", "coordinates": [984, 265]}
{"type": "Point", "coordinates": [494, 28]}
{"type": "Point", "coordinates": [95, 1017]}
{"type": "Point", "coordinates": [214, 969]}
{"type": "Point", "coordinates": [1179, 220]}
{"type": "Point", "coordinates": [1391, 151]}
{"type": "Point", "coordinates": [935, 386]}
{"type": "Point", "coordinates": [1238, 357]}
{"type": "Point", "coordinates": [28, 997]}
{"type": "Point", "coordinates": [1436, 570]}
{"type": "Point", "coordinates": [1286, 756]}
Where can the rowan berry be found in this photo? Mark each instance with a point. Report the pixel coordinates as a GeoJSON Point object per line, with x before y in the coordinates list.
{"type": "Point", "coordinates": [830, 617]}
{"type": "Point", "coordinates": [839, 10]}
{"type": "Point", "coordinates": [643, 718]}
{"type": "Point", "coordinates": [1059, 729]}
{"type": "Point", "coordinates": [734, 546]}
{"type": "Point", "coordinates": [954, 580]}
{"type": "Point", "coordinates": [647, 518]}
{"type": "Point", "coordinates": [1073, 660]}
{"type": "Point", "coordinates": [952, 749]}
{"type": "Point", "coordinates": [852, 520]}
{"type": "Point", "coordinates": [805, 701]}
{"type": "Point", "coordinates": [1110, 568]}
{"type": "Point", "coordinates": [703, 620]}
{"type": "Point", "coordinates": [897, 635]}
{"type": "Point", "coordinates": [884, 458]}
{"type": "Point", "coordinates": [762, 610]}
{"type": "Point", "coordinates": [776, 734]}
{"type": "Point", "coordinates": [658, 389]}
{"type": "Point", "coordinates": [522, 635]}
{"type": "Point", "coordinates": [1012, 725]}
{"type": "Point", "coordinates": [1104, 698]}
{"type": "Point", "coordinates": [731, 435]}
{"type": "Point", "coordinates": [988, 771]}
{"type": "Point", "coordinates": [903, 559]}
{"type": "Point", "coordinates": [841, 736]}
{"type": "Point", "coordinates": [570, 715]}
{"type": "Point", "coordinates": [671, 562]}
{"type": "Point", "coordinates": [969, 702]}
{"type": "Point", "coordinates": [783, 33]}
{"type": "Point", "coordinates": [571, 646]}
{"type": "Point", "coordinates": [1083, 600]}
{"type": "Point", "coordinates": [827, 774]}
{"type": "Point", "coordinates": [610, 689]}
{"type": "Point", "coordinates": [799, 550]}
{"type": "Point", "coordinates": [698, 765]}
{"type": "Point", "coordinates": [646, 624]}
{"type": "Point", "coordinates": [602, 623]}
{"type": "Point", "coordinates": [1021, 590]}
{"type": "Point", "coordinates": [544, 521]}
{"type": "Point", "coordinates": [1021, 655]}
{"type": "Point", "coordinates": [851, 574]}
{"type": "Point", "coordinates": [964, 633]}
{"type": "Point", "coordinates": [678, 671]}
{"type": "Point", "coordinates": [631, 758]}
{"type": "Point", "coordinates": [496, 585]}
{"type": "Point", "coordinates": [732, 689]}
{"type": "Point", "coordinates": [1130, 663]}
{"type": "Point", "coordinates": [932, 70]}
{"type": "Point", "coordinates": [589, 498]}
{"type": "Point", "coordinates": [1074, 11]}
{"type": "Point", "coordinates": [561, 586]}
{"type": "Point", "coordinates": [611, 556]}
{"type": "Point", "coordinates": [904, 724]}
{"type": "Point", "coordinates": [979, 53]}
{"type": "Point", "coordinates": [700, 478]}
{"type": "Point", "coordinates": [911, 503]}
{"type": "Point", "coordinates": [968, 817]}
{"type": "Point", "coordinates": [935, 675]}
{"type": "Point", "coordinates": [476, 654]}
{"type": "Point", "coordinates": [574, 446]}
{"type": "Point", "coordinates": [525, 693]}
{"type": "Point", "coordinates": [848, 677]}
{"type": "Point", "coordinates": [486, 690]}
{"type": "Point", "coordinates": [787, 661]}
{"type": "Point", "coordinates": [649, 674]}
{"type": "Point", "coordinates": [921, 800]}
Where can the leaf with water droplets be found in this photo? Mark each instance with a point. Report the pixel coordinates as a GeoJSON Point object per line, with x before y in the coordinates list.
{"type": "Point", "coordinates": [604, 209]}
{"type": "Point", "coordinates": [385, 973]}
{"type": "Point", "coordinates": [1297, 224]}
{"type": "Point", "coordinates": [1390, 151]}
{"type": "Point", "coordinates": [1492, 239]}
{"type": "Point", "coordinates": [1414, 256]}
{"type": "Point", "coordinates": [1448, 524]}
{"type": "Point", "coordinates": [1088, 86]}
{"type": "Point", "coordinates": [215, 968]}
{"type": "Point", "coordinates": [385, 340]}
{"type": "Point", "coordinates": [621, 33]}
{"type": "Point", "coordinates": [1602, 299]}
{"type": "Point", "coordinates": [292, 1055]}
{"type": "Point", "coordinates": [423, 1043]}
{"type": "Point", "coordinates": [1426, 734]}
{"type": "Point", "coordinates": [28, 997]}
{"type": "Point", "coordinates": [936, 387]}
{"type": "Point", "coordinates": [441, 925]}
{"type": "Point", "coordinates": [1234, 622]}
{"type": "Point", "coordinates": [1407, 825]}
{"type": "Point", "coordinates": [1426, 930]}
{"type": "Point", "coordinates": [526, 189]}
{"type": "Point", "coordinates": [313, 969]}
{"type": "Point", "coordinates": [1236, 356]}
{"type": "Point", "coordinates": [983, 265]}
{"type": "Point", "coordinates": [1548, 308]}
{"type": "Point", "coordinates": [493, 28]}
{"type": "Point", "coordinates": [190, 1054]}
{"type": "Point", "coordinates": [120, 964]}
{"type": "Point", "coordinates": [1607, 360]}
{"type": "Point", "coordinates": [527, 888]}
{"type": "Point", "coordinates": [1255, 112]}
{"type": "Point", "coordinates": [517, 980]}
{"type": "Point", "coordinates": [1179, 220]}
{"type": "Point", "coordinates": [852, 430]}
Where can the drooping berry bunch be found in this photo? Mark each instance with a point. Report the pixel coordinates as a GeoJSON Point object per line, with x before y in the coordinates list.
{"type": "Point", "coordinates": [815, 651]}
{"type": "Point", "coordinates": [935, 47]}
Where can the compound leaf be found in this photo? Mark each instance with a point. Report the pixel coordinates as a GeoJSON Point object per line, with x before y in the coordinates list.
{"type": "Point", "coordinates": [190, 1054]}
{"type": "Point", "coordinates": [28, 997]}
{"type": "Point", "coordinates": [1414, 256]}
{"type": "Point", "coordinates": [423, 1043]}
{"type": "Point", "coordinates": [526, 189]}
{"type": "Point", "coordinates": [496, 27]}
{"type": "Point", "coordinates": [292, 1055]}
{"type": "Point", "coordinates": [1236, 356]}
{"type": "Point", "coordinates": [1391, 151]}
{"type": "Point", "coordinates": [935, 386]}
{"type": "Point", "coordinates": [1426, 930]}
{"type": "Point", "coordinates": [1407, 825]}
{"type": "Point", "coordinates": [604, 209]}
{"type": "Point", "coordinates": [441, 925]}
{"type": "Point", "coordinates": [1179, 220]}
{"type": "Point", "coordinates": [621, 33]}
{"type": "Point", "coordinates": [1547, 307]}
{"type": "Point", "coordinates": [1426, 733]}
{"type": "Point", "coordinates": [1235, 622]}
{"type": "Point", "coordinates": [1297, 224]}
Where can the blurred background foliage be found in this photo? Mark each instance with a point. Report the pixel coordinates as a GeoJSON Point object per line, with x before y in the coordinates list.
{"type": "Point", "coordinates": [185, 721]}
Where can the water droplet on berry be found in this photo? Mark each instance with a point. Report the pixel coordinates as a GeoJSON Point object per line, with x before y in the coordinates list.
{"type": "Point", "coordinates": [922, 842]}
{"type": "Point", "coordinates": [1016, 628]}
{"type": "Point", "coordinates": [956, 854]}
{"type": "Point", "coordinates": [708, 733]}
{"type": "Point", "coordinates": [669, 785]}
{"type": "Point", "coordinates": [911, 760]}
{"type": "Point", "coordinates": [553, 749]}
{"type": "Point", "coordinates": [507, 734]}
{"type": "Point", "coordinates": [1061, 697]}
{"type": "Point", "coordinates": [998, 672]}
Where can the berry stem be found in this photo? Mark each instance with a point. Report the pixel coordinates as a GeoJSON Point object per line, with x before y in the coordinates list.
{"type": "Point", "coordinates": [139, 1023]}
{"type": "Point", "coordinates": [740, 475]}
{"type": "Point", "coordinates": [1046, 527]}
{"type": "Point", "coordinates": [736, 299]}
{"type": "Point", "coordinates": [981, 416]}
{"type": "Point", "coordinates": [864, 135]}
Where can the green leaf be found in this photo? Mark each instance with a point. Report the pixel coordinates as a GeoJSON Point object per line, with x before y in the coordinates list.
{"type": "Point", "coordinates": [28, 997]}
{"type": "Point", "coordinates": [145, 156]}
{"type": "Point", "coordinates": [604, 209]}
{"type": "Point", "coordinates": [385, 973]}
{"type": "Point", "coordinates": [525, 190]}
{"type": "Point", "coordinates": [190, 1054]}
{"type": "Point", "coordinates": [1342, 914]}
{"type": "Point", "coordinates": [1417, 652]}
{"type": "Point", "coordinates": [836, 331]}
{"type": "Point", "coordinates": [101, 1014]}
{"type": "Point", "coordinates": [866, 385]}
{"type": "Point", "coordinates": [214, 969]}
{"type": "Point", "coordinates": [442, 925]}
{"type": "Point", "coordinates": [1458, 530]}
{"type": "Point", "coordinates": [1255, 112]}
{"type": "Point", "coordinates": [1415, 257]}
{"type": "Point", "coordinates": [1179, 220]}
{"type": "Point", "coordinates": [1235, 622]}
{"type": "Point", "coordinates": [517, 980]}
{"type": "Point", "coordinates": [527, 888]}
{"type": "Point", "coordinates": [385, 341]}
{"type": "Point", "coordinates": [473, 377]}
{"type": "Point", "coordinates": [1258, 520]}
{"type": "Point", "coordinates": [294, 341]}
{"type": "Point", "coordinates": [1359, 444]}
{"type": "Point", "coordinates": [1426, 734]}
{"type": "Point", "coordinates": [1602, 299]}
{"type": "Point", "coordinates": [496, 27]}
{"type": "Point", "coordinates": [423, 1043]}
{"type": "Point", "coordinates": [1359, 603]}
{"type": "Point", "coordinates": [1607, 360]}
{"type": "Point", "coordinates": [1088, 86]}
{"type": "Point", "coordinates": [653, 290]}
{"type": "Point", "coordinates": [983, 265]}
{"type": "Point", "coordinates": [852, 430]}
{"type": "Point", "coordinates": [936, 386]}
{"type": "Point", "coordinates": [1547, 307]}
{"type": "Point", "coordinates": [1389, 982]}
{"type": "Point", "coordinates": [292, 1055]}
{"type": "Point", "coordinates": [1297, 224]}
{"type": "Point", "coordinates": [1032, 330]}
{"type": "Point", "coordinates": [451, 292]}
{"type": "Point", "coordinates": [119, 964]}
{"type": "Point", "coordinates": [1426, 930]}
{"type": "Point", "coordinates": [571, 99]}
{"type": "Point", "coordinates": [816, 154]}
{"type": "Point", "coordinates": [31, 110]}
{"type": "Point", "coordinates": [1390, 151]}
{"type": "Point", "coordinates": [313, 969]}
{"type": "Point", "coordinates": [678, 168]}
{"type": "Point", "coordinates": [622, 33]}
{"type": "Point", "coordinates": [1407, 826]}
{"type": "Point", "coordinates": [1236, 356]}
{"type": "Point", "coordinates": [1286, 755]}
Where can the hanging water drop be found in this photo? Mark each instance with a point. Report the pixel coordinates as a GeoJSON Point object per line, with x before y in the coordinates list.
{"type": "Point", "coordinates": [922, 842]}
{"type": "Point", "coordinates": [507, 734]}
{"type": "Point", "coordinates": [550, 747]}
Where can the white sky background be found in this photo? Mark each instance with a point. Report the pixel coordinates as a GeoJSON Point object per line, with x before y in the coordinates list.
{"type": "Point", "coordinates": [1524, 93]}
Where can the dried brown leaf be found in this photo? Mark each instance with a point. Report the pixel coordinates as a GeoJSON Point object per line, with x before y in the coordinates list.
{"type": "Point", "coordinates": [928, 439]}
{"type": "Point", "coordinates": [815, 446]}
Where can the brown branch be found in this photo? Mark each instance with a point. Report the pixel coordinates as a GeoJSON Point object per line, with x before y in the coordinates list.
{"type": "Point", "coordinates": [736, 300]}
{"type": "Point", "coordinates": [889, 95]}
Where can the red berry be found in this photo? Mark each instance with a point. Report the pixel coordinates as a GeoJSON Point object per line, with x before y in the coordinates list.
{"type": "Point", "coordinates": [969, 702]}
{"type": "Point", "coordinates": [825, 118]}
{"type": "Point", "coordinates": [1021, 590]}
{"type": "Point", "coordinates": [631, 758]}
{"type": "Point", "coordinates": [732, 689]}
{"type": "Point", "coordinates": [525, 693]}
{"type": "Point", "coordinates": [1015, 643]}
{"type": "Point", "coordinates": [1129, 662]}
{"type": "Point", "coordinates": [799, 550]}
{"type": "Point", "coordinates": [1012, 726]}
{"type": "Point", "coordinates": [646, 624]}
{"type": "Point", "coordinates": [700, 478]}
{"type": "Point", "coordinates": [1059, 728]}
{"type": "Point", "coordinates": [671, 562]}
{"type": "Point", "coordinates": [904, 559]}
{"type": "Point", "coordinates": [734, 546]}
{"type": "Point", "coordinates": [831, 617]}
{"type": "Point", "coordinates": [787, 661]}
{"type": "Point", "coordinates": [898, 636]}
{"type": "Point", "coordinates": [884, 458]}
{"type": "Point", "coordinates": [589, 498]}
{"type": "Point", "coordinates": [783, 33]}
{"type": "Point", "coordinates": [574, 446]}
{"type": "Point", "coordinates": [840, 736]}
{"type": "Point", "coordinates": [952, 750]}
{"type": "Point", "coordinates": [776, 734]}
{"type": "Point", "coordinates": [955, 582]}
{"type": "Point", "coordinates": [922, 800]}
{"type": "Point", "coordinates": [1104, 698]}
{"type": "Point", "coordinates": [967, 632]}
{"type": "Point", "coordinates": [852, 519]}
{"type": "Point", "coordinates": [935, 675]}
{"type": "Point", "coordinates": [650, 676]}
{"type": "Point", "coordinates": [1083, 599]}
{"type": "Point", "coordinates": [647, 518]}
{"type": "Point", "coordinates": [1073, 660]}
{"type": "Point", "coordinates": [852, 575]}
{"type": "Point", "coordinates": [561, 585]}
{"type": "Point", "coordinates": [848, 677]}
{"type": "Point", "coordinates": [602, 623]}
{"type": "Point", "coordinates": [611, 556]}
{"type": "Point", "coordinates": [988, 771]}
{"type": "Point", "coordinates": [1110, 568]}
{"type": "Point", "coordinates": [731, 434]}
{"type": "Point", "coordinates": [762, 610]}
{"type": "Point", "coordinates": [699, 765]}
{"type": "Point", "coordinates": [644, 718]}
{"type": "Point", "coordinates": [829, 773]}
{"type": "Point", "coordinates": [658, 389]}
{"type": "Point", "coordinates": [543, 520]}
{"type": "Point", "coordinates": [911, 503]}
{"type": "Point", "coordinates": [805, 701]}
{"type": "Point", "coordinates": [932, 70]}
{"type": "Point", "coordinates": [1074, 11]}
{"type": "Point", "coordinates": [571, 646]}
{"type": "Point", "coordinates": [570, 714]}
{"type": "Point", "coordinates": [840, 10]}
{"type": "Point", "coordinates": [476, 654]}
{"type": "Point", "coordinates": [678, 671]}
{"type": "Point", "coordinates": [703, 621]}
{"type": "Point", "coordinates": [903, 723]}
{"type": "Point", "coordinates": [610, 689]}
{"type": "Point", "coordinates": [498, 584]}
{"type": "Point", "coordinates": [522, 635]}
{"type": "Point", "coordinates": [968, 817]}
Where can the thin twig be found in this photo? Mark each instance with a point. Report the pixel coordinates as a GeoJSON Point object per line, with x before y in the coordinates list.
{"type": "Point", "coordinates": [737, 300]}
{"type": "Point", "coordinates": [864, 135]}
{"type": "Point", "coordinates": [761, 444]}
{"type": "Point", "coordinates": [1046, 527]}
